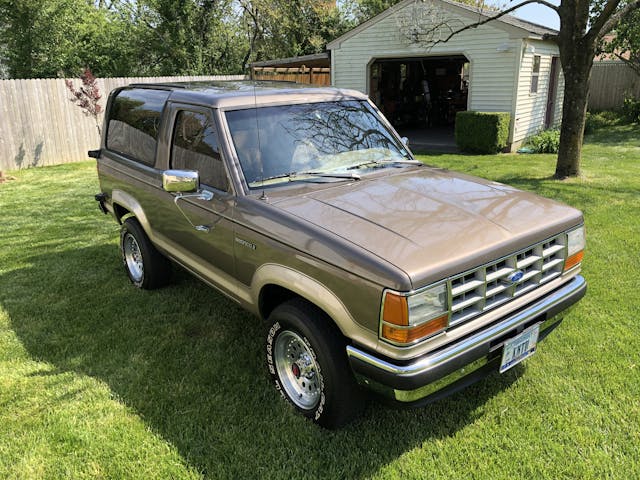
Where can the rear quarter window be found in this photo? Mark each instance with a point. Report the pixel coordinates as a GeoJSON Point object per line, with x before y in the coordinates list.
{"type": "Point", "coordinates": [134, 123]}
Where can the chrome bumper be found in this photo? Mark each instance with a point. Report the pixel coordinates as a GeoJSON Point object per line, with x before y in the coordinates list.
{"type": "Point", "coordinates": [455, 366]}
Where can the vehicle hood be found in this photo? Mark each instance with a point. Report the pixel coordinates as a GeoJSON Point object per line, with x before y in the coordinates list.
{"type": "Point", "coordinates": [432, 223]}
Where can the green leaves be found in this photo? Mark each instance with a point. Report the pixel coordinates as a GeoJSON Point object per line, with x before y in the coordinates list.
{"type": "Point", "coordinates": [286, 28]}
{"type": "Point", "coordinates": [55, 38]}
{"type": "Point", "coordinates": [624, 44]}
{"type": "Point", "coordinates": [122, 38]}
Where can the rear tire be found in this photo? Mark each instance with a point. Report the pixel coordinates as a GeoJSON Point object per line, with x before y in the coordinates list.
{"type": "Point", "coordinates": [308, 364]}
{"type": "Point", "coordinates": [146, 267]}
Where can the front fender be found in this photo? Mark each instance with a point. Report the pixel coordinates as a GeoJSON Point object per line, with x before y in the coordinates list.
{"type": "Point", "coordinates": [316, 293]}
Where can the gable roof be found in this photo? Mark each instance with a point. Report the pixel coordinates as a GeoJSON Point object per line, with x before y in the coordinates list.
{"type": "Point", "coordinates": [526, 28]}
{"type": "Point", "coordinates": [312, 60]}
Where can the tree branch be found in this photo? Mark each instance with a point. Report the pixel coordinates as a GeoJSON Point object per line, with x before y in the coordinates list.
{"type": "Point", "coordinates": [633, 63]}
{"type": "Point", "coordinates": [497, 16]}
{"type": "Point", "coordinates": [604, 16]}
{"type": "Point", "coordinates": [613, 20]}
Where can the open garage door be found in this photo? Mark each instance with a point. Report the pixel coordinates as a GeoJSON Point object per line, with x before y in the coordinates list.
{"type": "Point", "coordinates": [420, 92]}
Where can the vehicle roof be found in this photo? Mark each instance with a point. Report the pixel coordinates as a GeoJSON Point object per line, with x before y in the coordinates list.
{"type": "Point", "coordinates": [247, 93]}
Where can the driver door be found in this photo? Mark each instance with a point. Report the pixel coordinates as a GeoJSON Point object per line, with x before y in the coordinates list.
{"type": "Point", "coordinates": [200, 231]}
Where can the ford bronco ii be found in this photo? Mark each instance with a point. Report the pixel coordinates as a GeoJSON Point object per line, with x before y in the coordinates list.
{"type": "Point", "coordinates": [304, 206]}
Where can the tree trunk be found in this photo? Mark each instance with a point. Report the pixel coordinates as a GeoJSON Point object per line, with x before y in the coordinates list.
{"type": "Point", "coordinates": [576, 56]}
{"type": "Point", "coordinates": [574, 111]}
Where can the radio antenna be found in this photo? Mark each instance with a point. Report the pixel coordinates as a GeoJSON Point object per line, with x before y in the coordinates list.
{"type": "Point", "coordinates": [255, 110]}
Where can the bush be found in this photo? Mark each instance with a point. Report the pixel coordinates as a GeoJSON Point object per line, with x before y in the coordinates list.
{"type": "Point", "coordinates": [547, 141]}
{"type": "Point", "coordinates": [605, 118]}
{"type": "Point", "coordinates": [631, 109]}
{"type": "Point", "coordinates": [482, 132]}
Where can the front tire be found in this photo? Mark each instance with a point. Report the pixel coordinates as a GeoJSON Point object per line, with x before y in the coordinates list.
{"type": "Point", "coordinates": [145, 266]}
{"type": "Point", "coordinates": [307, 361]}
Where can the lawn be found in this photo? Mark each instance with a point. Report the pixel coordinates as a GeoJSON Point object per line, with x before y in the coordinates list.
{"type": "Point", "coordinates": [99, 380]}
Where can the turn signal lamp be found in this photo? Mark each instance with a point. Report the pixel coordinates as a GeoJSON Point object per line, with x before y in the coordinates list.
{"type": "Point", "coordinates": [413, 334]}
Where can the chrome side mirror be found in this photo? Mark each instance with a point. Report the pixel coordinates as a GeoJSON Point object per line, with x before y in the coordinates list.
{"type": "Point", "coordinates": [180, 181]}
{"type": "Point", "coordinates": [405, 140]}
{"type": "Point", "coordinates": [186, 183]}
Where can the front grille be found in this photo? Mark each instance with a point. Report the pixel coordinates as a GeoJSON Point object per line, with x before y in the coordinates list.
{"type": "Point", "coordinates": [488, 286]}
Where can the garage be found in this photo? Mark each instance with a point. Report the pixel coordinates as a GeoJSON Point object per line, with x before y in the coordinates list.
{"type": "Point", "coordinates": [425, 91]}
{"type": "Point", "coordinates": [420, 78]}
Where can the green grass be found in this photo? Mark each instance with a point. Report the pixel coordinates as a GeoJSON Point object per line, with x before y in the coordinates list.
{"type": "Point", "coordinates": [99, 380]}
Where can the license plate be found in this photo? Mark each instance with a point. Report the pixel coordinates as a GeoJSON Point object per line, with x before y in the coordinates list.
{"type": "Point", "coordinates": [519, 347]}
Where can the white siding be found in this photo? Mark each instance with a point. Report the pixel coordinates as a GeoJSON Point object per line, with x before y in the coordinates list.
{"type": "Point", "coordinates": [532, 107]}
{"type": "Point", "coordinates": [492, 74]}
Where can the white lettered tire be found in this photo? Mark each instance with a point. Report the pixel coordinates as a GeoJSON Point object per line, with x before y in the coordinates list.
{"type": "Point", "coordinates": [307, 361]}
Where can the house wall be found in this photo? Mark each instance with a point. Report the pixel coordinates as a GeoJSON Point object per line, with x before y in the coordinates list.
{"type": "Point", "coordinates": [531, 107]}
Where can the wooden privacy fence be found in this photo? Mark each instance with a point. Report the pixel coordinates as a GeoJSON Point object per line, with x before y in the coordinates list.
{"type": "Point", "coordinates": [610, 83]}
{"type": "Point", "coordinates": [41, 126]}
{"type": "Point", "coordinates": [314, 76]}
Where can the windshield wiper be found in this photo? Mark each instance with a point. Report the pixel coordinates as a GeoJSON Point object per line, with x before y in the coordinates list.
{"type": "Point", "coordinates": [347, 176]}
{"type": "Point", "coordinates": [382, 163]}
{"type": "Point", "coordinates": [273, 177]}
{"type": "Point", "coordinates": [299, 176]}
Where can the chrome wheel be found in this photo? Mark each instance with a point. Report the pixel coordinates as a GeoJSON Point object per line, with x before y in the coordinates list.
{"type": "Point", "coordinates": [133, 257]}
{"type": "Point", "coordinates": [297, 369]}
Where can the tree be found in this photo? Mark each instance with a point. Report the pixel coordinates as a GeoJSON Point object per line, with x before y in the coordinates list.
{"type": "Point", "coordinates": [50, 38]}
{"type": "Point", "coordinates": [625, 43]}
{"type": "Point", "coordinates": [287, 28]}
{"type": "Point", "coordinates": [363, 10]}
{"type": "Point", "coordinates": [27, 29]}
{"type": "Point", "coordinates": [87, 97]}
{"type": "Point", "coordinates": [190, 37]}
{"type": "Point", "coordinates": [583, 24]}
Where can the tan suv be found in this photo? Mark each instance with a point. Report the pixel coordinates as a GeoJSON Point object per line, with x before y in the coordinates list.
{"type": "Point", "coordinates": [305, 207]}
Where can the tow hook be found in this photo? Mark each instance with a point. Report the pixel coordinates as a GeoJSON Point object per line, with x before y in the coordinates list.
{"type": "Point", "coordinates": [101, 198]}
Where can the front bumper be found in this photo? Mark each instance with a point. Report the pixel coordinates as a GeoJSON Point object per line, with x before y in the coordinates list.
{"type": "Point", "coordinates": [453, 367]}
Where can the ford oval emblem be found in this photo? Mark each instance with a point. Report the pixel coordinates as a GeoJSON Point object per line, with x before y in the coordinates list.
{"type": "Point", "coordinates": [515, 277]}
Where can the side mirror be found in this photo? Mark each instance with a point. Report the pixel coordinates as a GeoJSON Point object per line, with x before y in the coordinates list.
{"type": "Point", "coordinates": [180, 181]}
{"type": "Point", "coordinates": [405, 140]}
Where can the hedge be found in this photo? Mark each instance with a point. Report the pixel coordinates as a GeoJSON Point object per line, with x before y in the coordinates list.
{"type": "Point", "coordinates": [482, 132]}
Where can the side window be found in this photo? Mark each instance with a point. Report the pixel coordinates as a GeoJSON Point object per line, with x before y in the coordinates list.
{"type": "Point", "coordinates": [195, 147]}
{"type": "Point", "coordinates": [134, 123]}
{"type": "Point", "coordinates": [535, 74]}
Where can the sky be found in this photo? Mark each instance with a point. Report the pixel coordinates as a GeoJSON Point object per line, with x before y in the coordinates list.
{"type": "Point", "coordinates": [534, 12]}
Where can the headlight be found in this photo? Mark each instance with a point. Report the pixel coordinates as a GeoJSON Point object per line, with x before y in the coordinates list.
{"type": "Point", "coordinates": [409, 318]}
{"type": "Point", "coordinates": [575, 247]}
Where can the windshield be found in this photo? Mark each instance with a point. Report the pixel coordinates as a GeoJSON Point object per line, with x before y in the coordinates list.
{"type": "Point", "coordinates": [326, 141]}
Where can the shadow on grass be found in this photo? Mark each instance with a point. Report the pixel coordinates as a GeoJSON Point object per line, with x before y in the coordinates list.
{"type": "Point", "coordinates": [190, 363]}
